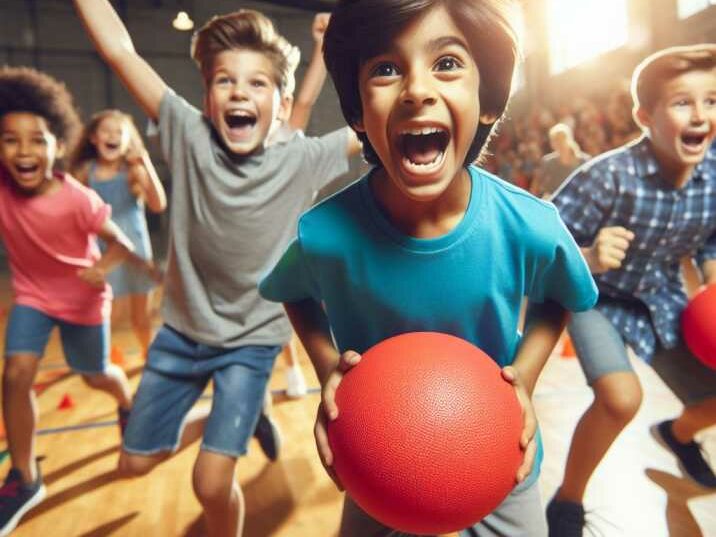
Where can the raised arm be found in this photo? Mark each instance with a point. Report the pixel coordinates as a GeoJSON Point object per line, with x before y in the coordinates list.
{"type": "Point", "coordinates": [143, 175]}
{"type": "Point", "coordinates": [112, 41]}
{"type": "Point", "coordinates": [313, 78]}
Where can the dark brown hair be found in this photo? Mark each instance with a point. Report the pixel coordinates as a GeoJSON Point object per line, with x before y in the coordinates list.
{"type": "Point", "coordinates": [249, 30]}
{"type": "Point", "coordinates": [651, 74]}
{"type": "Point", "coordinates": [23, 89]}
{"type": "Point", "coordinates": [362, 29]}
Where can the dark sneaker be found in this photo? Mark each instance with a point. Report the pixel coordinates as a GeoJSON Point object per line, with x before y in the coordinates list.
{"type": "Point", "coordinates": [122, 419]}
{"type": "Point", "coordinates": [16, 499]}
{"type": "Point", "coordinates": [690, 457]}
{"type": "Point", "coordinates": [269, 436]}
{"type": "Point", "coordinates": [565, 519]}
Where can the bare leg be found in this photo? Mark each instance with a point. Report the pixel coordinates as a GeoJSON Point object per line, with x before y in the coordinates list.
{"type": "Point", "coordinates": [617, 397]}
{"type": "Point", "coordinates": [114, 382]}
{"type": "Point", "coordinates": [19, 408]}
{"type": "Point", "coordinates": [141, 323]}
{"type": "Point", "coordinates": [132, 465]}
{"type": "Point", "coordinates": [220, 496]}
{"type": "Point", "coordinates": [695, 417]}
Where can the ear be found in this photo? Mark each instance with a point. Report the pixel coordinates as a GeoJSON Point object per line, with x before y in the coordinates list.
{"type": "Point", "coordinates": [285, 106]}
{"type": "Point", "coordinates": [358, 125]}
{"type": "Point", "coordinates": [641, 116]}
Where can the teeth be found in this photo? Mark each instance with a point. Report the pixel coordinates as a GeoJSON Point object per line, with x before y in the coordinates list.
{"type": "Point", "coordinates": [422, 131]}
{"type": "Point", "coordinates": [427, 164]}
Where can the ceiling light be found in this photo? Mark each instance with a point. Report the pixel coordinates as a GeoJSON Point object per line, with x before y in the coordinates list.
{"type": "Point", "coordinates": [183, 22]}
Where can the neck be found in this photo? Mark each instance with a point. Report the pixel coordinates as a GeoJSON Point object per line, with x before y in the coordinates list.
{"type": "Point", "coordinates": [675, 173]}
{"type": "Point", "coordinates": [423, 219]}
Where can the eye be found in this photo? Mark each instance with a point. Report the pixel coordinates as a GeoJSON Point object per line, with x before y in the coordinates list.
{"type": "Point", "coordinates": [681, 102]}
{"type": "Point", "coordinates": [222, 80]}
{"type": "Point", "coordinates": [39, 140]}
{"type": "Point", "coordinates": [710, 101]}
{"type": "Point", "coordinates": [259, 83]}
{"type": "Point", "coordinates": [384, 69]}
{"type": "Point", "coordinates": [447, 63]}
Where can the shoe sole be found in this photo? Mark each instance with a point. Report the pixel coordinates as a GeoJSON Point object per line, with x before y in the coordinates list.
{"type": "Point", "coordinates": [32, 502]}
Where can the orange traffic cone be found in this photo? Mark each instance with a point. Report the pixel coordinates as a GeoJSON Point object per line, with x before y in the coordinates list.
{"type": "Point", "coordinates": [567, 347]}
{"type": "Point", "coordinates": [66, 403]}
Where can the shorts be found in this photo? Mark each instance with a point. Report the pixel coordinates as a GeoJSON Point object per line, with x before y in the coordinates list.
{"type": "Point", "coordinates": [86, 347]}
{"type": "Point", "coordinates": [601, 350]}
{"type": "Point", "coordinates": [519, 515]}
{"type": "Point", "coordinates": [177, 372]}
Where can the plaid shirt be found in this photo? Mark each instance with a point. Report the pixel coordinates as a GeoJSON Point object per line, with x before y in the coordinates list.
{"type": "Point", "coordinates": [644, 298]}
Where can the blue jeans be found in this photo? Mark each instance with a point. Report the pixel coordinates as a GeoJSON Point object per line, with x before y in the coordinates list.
{"type": "Point", "coordinates": [86, 347]}
{"type": "Point", "coordinates": [177, 372]}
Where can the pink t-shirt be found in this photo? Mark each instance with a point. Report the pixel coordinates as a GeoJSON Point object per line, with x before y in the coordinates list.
{"type": "Point", "coordinates": [49, 238]}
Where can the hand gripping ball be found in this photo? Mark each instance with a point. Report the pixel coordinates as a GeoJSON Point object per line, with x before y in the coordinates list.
{"type": "Point", "coordinates": [427, 436]}
{"type": "Point", "coordinates": [698, 324]}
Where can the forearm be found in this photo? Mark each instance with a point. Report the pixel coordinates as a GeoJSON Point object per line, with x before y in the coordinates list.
{"type": "Point", "coordinates": [310, 324]}
{"type": "Point", "coordinates": [587, 253]}
{"type": "Point", "coordinates": [309, 91]}
{"type": "Point", "coordinates": [543, 326]}
{"type": "Point", "coordinates": [112, 41]}
{"type": "Point", "coordinates": [152, 188]}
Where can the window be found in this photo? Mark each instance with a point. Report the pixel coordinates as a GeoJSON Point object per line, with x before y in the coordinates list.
{"type": "Point", "coordinates": [579, 31]}
{"type": "Point", "coordinates": [686, 8]}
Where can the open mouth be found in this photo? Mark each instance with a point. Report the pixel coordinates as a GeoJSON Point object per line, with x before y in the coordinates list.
{"type": "Point", "coordinates": [423, 148]}
{"type": "Point", "coordinates": [693, 142]}
{"type": "Point", "coordinates": [239, 121]}
{"type": "Point", "coordinates": [112, 146]}
{"type": "Point", "coordinates": [27, 171]}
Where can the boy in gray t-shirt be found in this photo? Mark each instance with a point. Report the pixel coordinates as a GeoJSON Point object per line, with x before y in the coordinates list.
{"type": "Point", "coordinates": [235, 203]}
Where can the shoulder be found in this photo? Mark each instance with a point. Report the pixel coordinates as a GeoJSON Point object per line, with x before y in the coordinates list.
{"type": "Point", "coordinates": [78, 193]}
{"type": "Point", "coordinates": [332, 215]}
{"type": "Point", "coordinates": [507, 193]}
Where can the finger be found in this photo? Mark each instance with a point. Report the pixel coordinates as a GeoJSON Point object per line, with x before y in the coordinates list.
{"type": "Point", "coordinates": [620, 231]}
{"type": "Point", "coordinates": [529, 427]}
{"type": "Point", "coordinates": [617, 243]}
{"type": "Point", "coordinates": [328, 397]}
{"type": "Point", "coordinates": [527, 462]}
{"type": "Point", "coordinates": [348, 359]}
{"type": "Point", "coordinates": [510, 375]}
{"type": "Point", "coordinates": [324, 448]}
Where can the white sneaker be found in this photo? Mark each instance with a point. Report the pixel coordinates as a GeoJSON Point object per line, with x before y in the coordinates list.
{"type": "Point", "coordinates": [295, 383]}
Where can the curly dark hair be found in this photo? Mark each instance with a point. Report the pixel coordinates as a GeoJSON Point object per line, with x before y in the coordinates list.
{"type": "Point", "coordinates": [23, 89]}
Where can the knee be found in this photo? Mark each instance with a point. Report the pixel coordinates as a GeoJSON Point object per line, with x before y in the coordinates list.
{"type": "Point", "coordinates": [95, 380]}
{"type": "Point", "coordinates": [622, 406]}
{"type": "Point", "coordinates": [134, 465]}
{"type": "Point", "coordinates": [18, 374]}
{"type": "Point", "coordinates": [213, 490]}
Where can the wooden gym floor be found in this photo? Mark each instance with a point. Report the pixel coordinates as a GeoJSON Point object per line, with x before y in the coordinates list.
{"type": "Point", "coordinates": [638, 491]}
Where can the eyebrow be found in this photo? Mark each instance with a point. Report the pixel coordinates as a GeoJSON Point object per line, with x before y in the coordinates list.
{"type": "Point", "coordinates": [444, 42]}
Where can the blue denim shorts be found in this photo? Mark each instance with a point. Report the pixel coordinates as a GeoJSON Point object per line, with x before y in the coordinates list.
{"type": "Point", "coordinates": [177, 371]}
{"type": "Point", "coordinates": [86, 347]}
{"type": "Point", "coordinates": [601, 350]}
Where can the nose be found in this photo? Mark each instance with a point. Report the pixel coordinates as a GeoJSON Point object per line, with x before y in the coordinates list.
{"type": "Point", "coordinates": [418, 90]}
{"type": "Point", "coordinates": [698, 113]}
{"type": "Point", "coordinates": [24, 146]}
{"type": "Point", "coordinates": [238, 92]}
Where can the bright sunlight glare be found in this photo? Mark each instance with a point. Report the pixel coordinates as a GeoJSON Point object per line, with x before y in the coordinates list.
{"type": "Point", "coordinates": [581, 30]}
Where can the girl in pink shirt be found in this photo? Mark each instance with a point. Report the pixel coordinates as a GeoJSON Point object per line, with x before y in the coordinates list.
{"type": "Point", "coordinates": [49, 224]}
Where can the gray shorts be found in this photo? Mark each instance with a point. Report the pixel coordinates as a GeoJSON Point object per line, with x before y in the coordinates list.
{"type": "Point", "coordinates": [601, 350]}
{"type": "Point", "coordinates": [519, 515]}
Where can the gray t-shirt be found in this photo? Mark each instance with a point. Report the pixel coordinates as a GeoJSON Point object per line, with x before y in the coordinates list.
{"type": "Point", "coordinates": [231, 219]}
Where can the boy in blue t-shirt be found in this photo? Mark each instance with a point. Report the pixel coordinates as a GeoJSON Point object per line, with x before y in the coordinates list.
{"type": "Point", "coordinates": [424, 241]}
{"type": "Point", "coordinates": [636, 211]}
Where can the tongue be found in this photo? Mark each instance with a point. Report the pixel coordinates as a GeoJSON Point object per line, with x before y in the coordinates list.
{"type": "Point", "coordinates": [421, 149]}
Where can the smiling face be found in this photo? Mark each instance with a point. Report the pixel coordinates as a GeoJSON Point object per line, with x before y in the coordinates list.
{"type": "Point", "coordinates": [682, 123]}
{"type": "Point", "coordinates": [242, 99]}
{"type": "Point", "coordinates": [28, 150]}
{"type": "Point", "coordinates": [420, 106]}
{"type": "Point", "coordinates": [111, 138]}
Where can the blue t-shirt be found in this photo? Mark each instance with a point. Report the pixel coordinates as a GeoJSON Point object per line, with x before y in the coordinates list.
{"type": "Point", "coordinates": [375, 282]}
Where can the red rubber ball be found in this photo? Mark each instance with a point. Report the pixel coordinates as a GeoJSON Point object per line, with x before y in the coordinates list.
{"type": "Point", "coordinates": [698, 324]}
{"type": "Point", "coordinates": [427, 436]}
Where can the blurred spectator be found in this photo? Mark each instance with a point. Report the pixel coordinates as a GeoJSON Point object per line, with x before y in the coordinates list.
{"type": "Point", "coordinates": [556, 166]}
